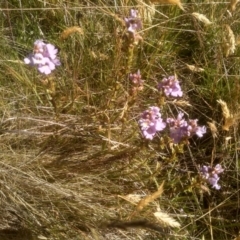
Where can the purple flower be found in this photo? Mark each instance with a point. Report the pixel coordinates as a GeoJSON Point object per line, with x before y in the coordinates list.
{"type": "Point", "coordinates": [137, 81]}
{"type": "Point", "coordinates": [211, 175]}
{"type": "Point", "coordinates": [44, 56]}
{"type": "Point", "coordinates": [193, 128]}
{"type": "Point", "coordinates": [180, 128]}
{"type": "Point", "coordinates": [135, 77]}
{"type": "Point", "coordinates": [133, 23]}
{"type": "Point", "coordinates": [151, 122]}
{"type": "Point", "coordinates": [170, 86]}
{"type": "Point", "coordinates": [133, 13]}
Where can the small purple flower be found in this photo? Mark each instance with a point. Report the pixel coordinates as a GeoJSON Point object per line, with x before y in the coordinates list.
{"type": "Point", "coordinates": [133, 23]}
{"type": "Point", "coordinates": [180, 128]}
{"type": "Point", "coordinates": [170, 86]}
{"type": "Point", "coordinates": [136, 80]}
{"type": "Point", "coordinates": [211, 175]}
{"type": "Point", "coordinates": [44, 56]}
{"type": "Point", "coordinates": [151, 122]}
{"type": "Point", "coordinates": [193, 128]}
{"type": "Point", "coordinates": [133, 13]}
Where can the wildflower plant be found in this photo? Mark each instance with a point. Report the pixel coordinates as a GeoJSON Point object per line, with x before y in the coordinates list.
{"type": "Point", "coordinates": [178, 128]}
{"type": "Point", "coordinates": [181, 129]}
{"type": "Point", "coordinates": [44, 57]}
{"type": "Point", "coordinates": [170, 86]}
{"type": "Point", "coordinates": [133, 25]}
{"type": "Point", "coordinates": [137, 82]}
{"type": "Point", "coordinates": [103, 129]}
{"type": "Point", "coordinates": [210, 174]}
{"type": "Point", "coordinates": [151, 122]}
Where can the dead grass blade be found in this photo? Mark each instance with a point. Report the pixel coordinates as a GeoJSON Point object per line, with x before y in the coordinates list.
{"type": "Point", "coordinates": [150, 198]}
{"type": "Point", "coordinates": [166, 220]}
{"type": "Point", "coordinates": [202, 18]}
{"type": "Point", "coordinates": [194, 68]}
{"type": "Point", "coordinates": [69, 31]}
{"type": "Point", "coordinates": [172, 2]}
{"type": "Point", "coordinates": [233, 4]}
{"type": "Point", "coordinates": [132, 198]}
{"type": "Point", "coordinates": [182, 103]}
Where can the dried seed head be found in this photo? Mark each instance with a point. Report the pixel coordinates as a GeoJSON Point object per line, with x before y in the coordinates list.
{"type": "Point", "coordinates": [229, 119]}
{"type": "Point", "coordinates": [202, 18]}
{"type": "Point", "coordinates": [69, 31]}
{"type": "Point", "coordinates": [213, 129]}
{"type": "Point", "coordinates": [225, 109]}
{"type": "Point", "coordinates": [150, 198]}
{"type": "Point", "coordinates": [194, 68]}
{"type": "Point", "coordinates": [166, 220]}
{"type": "Point", "coordinates": [229, 42]}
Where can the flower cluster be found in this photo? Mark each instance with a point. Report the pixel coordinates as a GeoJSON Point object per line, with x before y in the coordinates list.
{"type": "Point", "coordinates": [211, 175]}
{"type": "Point", "coordinates": [136, 80]}
{"type": "Point", "coordinates": [44, 56]}
{"type": "Point", "coordinates": [133, 25]}
{"type": "Point", "coordinates": [170, 86]}
{"type": "Point", "coordinates": [151, 122]}
{"type": "Point", "coordinates": [180, 128]}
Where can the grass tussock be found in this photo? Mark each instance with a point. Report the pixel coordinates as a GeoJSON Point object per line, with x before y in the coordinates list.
{"type": "Point", "coordinates": [74, 163]}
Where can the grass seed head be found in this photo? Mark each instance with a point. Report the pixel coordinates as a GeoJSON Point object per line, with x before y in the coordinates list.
{"type": "Point", "coordinates": [229, 119]}
{"type": "Point", "coordinates": [213, 129]}
{"type": "Point", "coordinates": [202, 18]}
{"type": "Point", "coordinates": [166, 220]}
{"type": "Point", "coordinates": [69, 31]}
{"type": "Point", "coordinates": [150, 198]}
{"type": "Point", "coordinates": [229, 42]}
